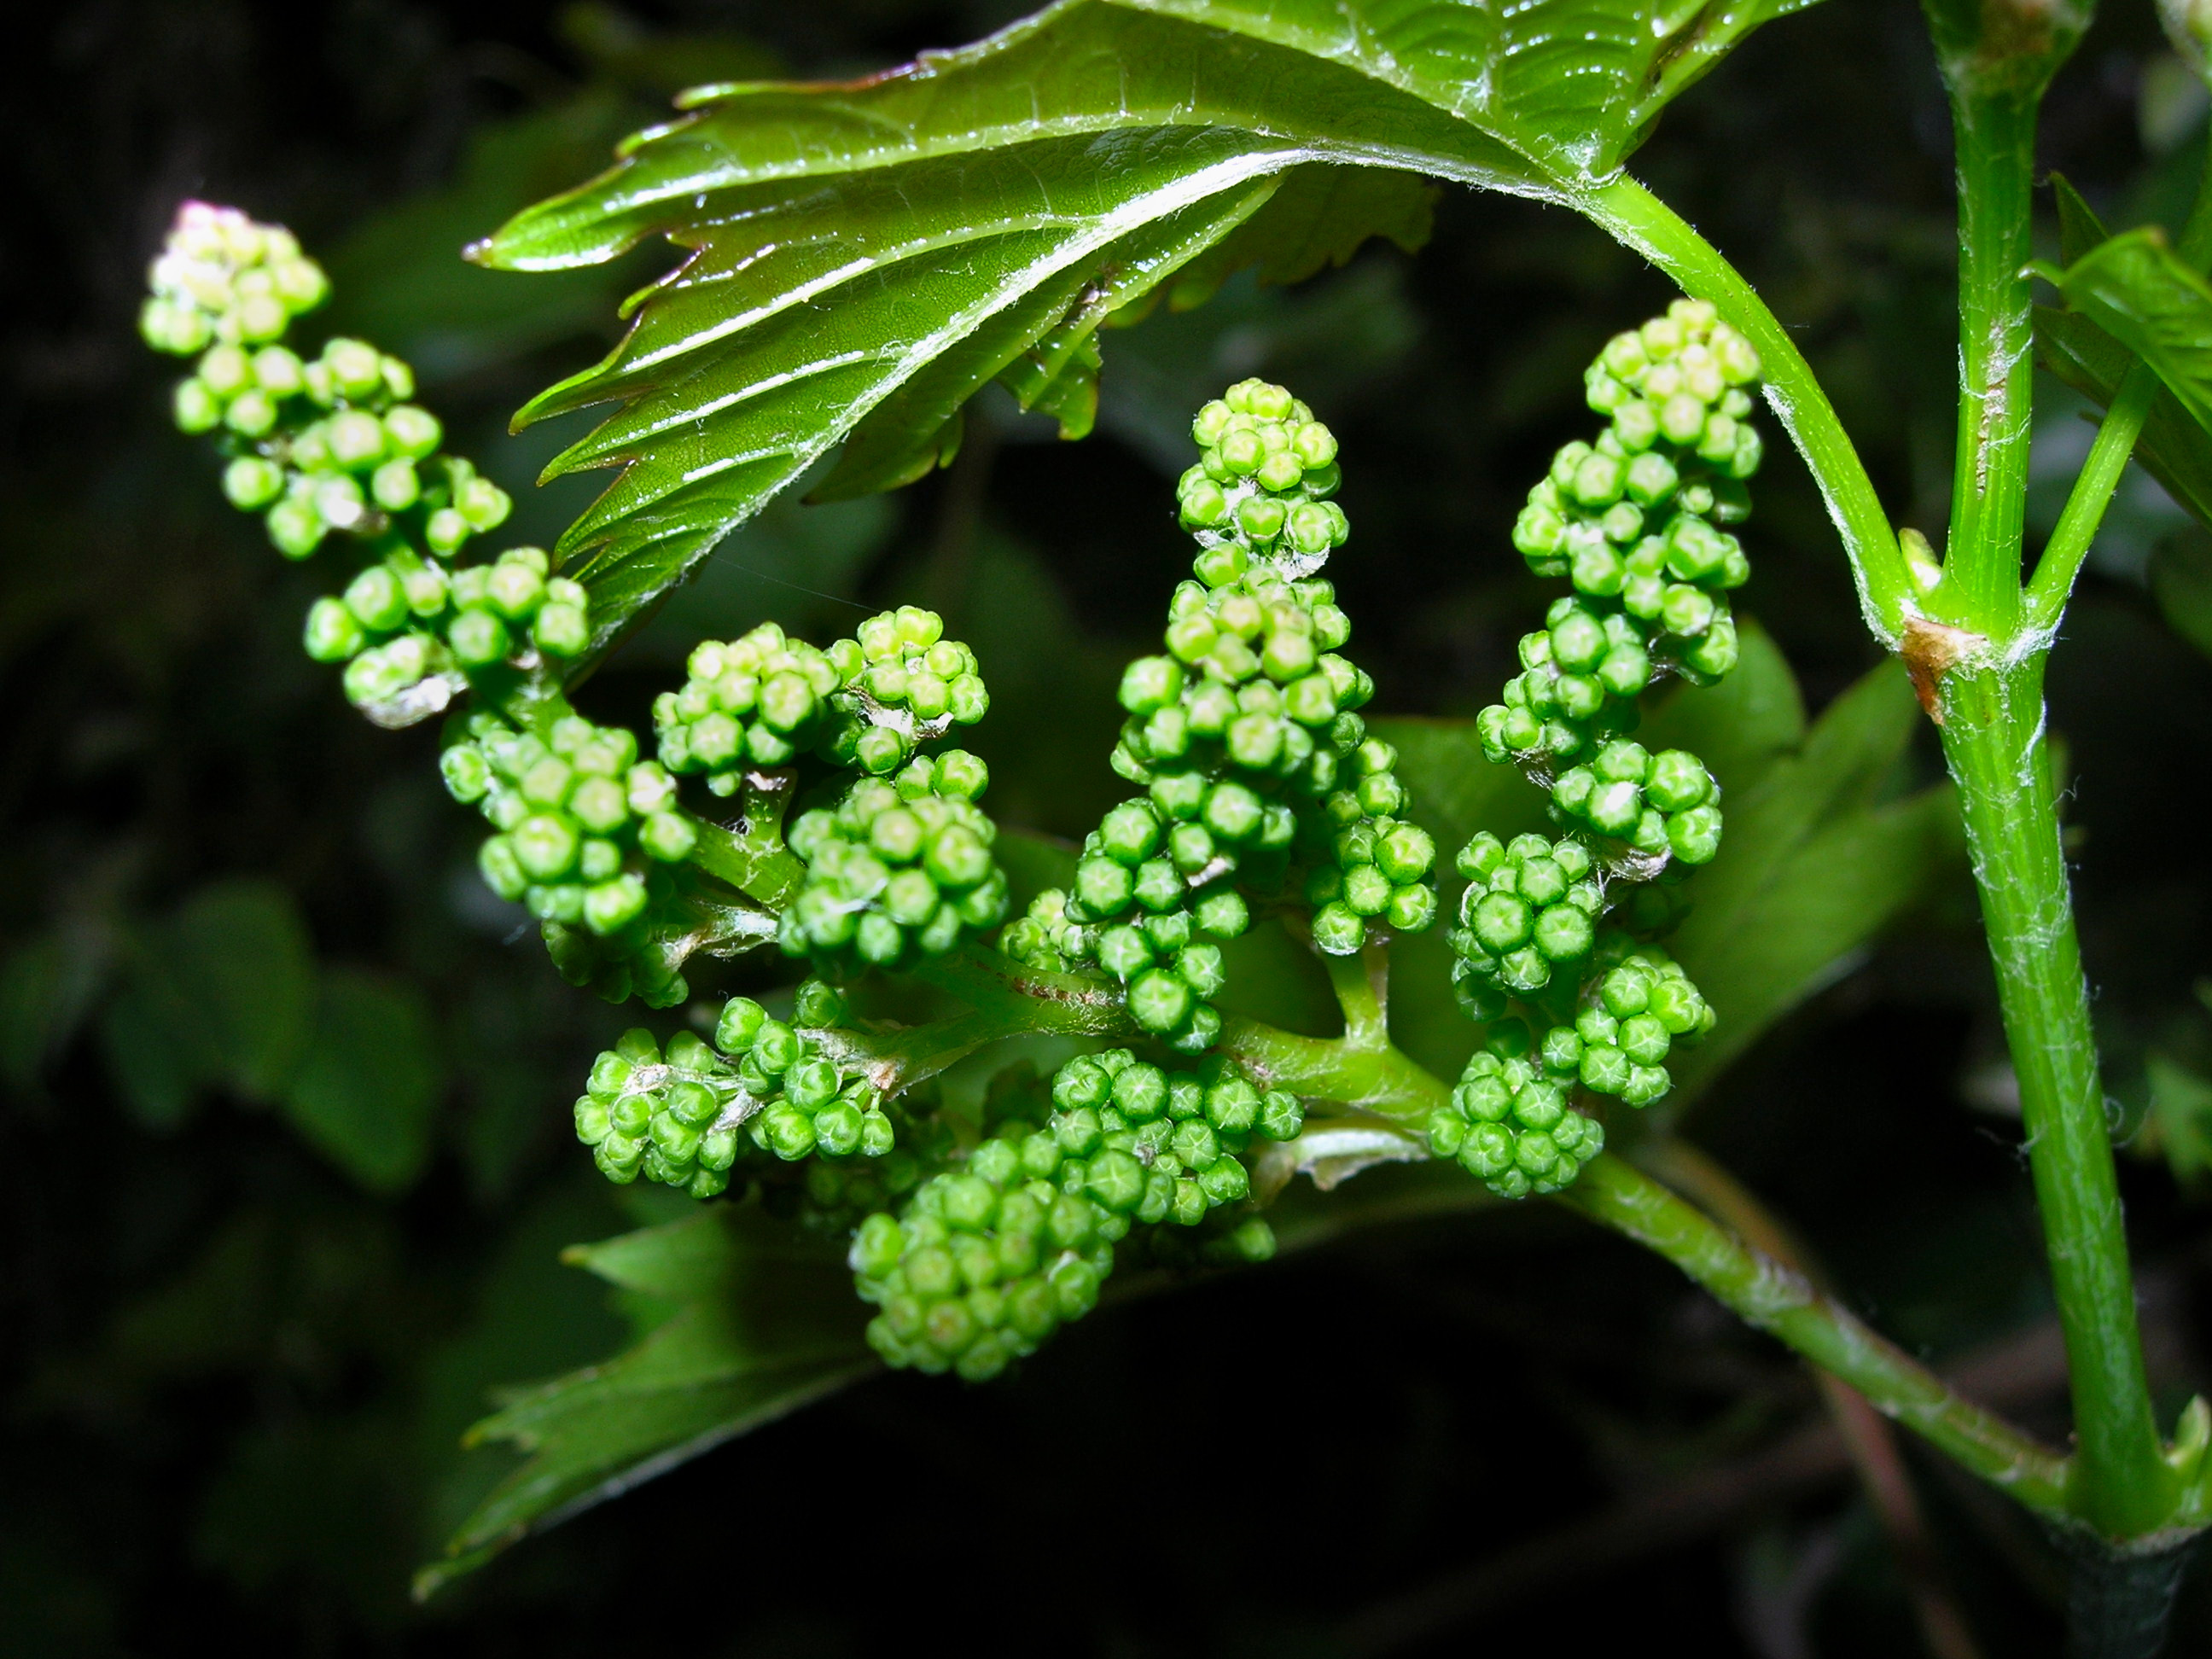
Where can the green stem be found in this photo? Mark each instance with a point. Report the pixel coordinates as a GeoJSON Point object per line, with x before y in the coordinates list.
{"type": "Point", "coordinates": [1779, 1300]}
{"type": "Point", "coordinates": [1384, 1081]}
{"type": "Point", "coordinates": [752, 857]}
{"type": "Point", "coordinates": [2099, 476]}
{"type": "Point", "coordinates": [1381, 1079]}
{"type": "Point", "coordinates": [1640, 220]}
{"type": "Point", "coordinates": [1995, 139]}
{"type": "Point", "coordinates": [1993, 741]}
{"type": "Point", "coordinates": [1362, 984]}
{"type": "Point", "coordinates": [1030, 998]}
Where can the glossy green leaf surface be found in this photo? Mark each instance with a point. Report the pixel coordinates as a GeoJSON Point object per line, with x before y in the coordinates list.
{"type": "Point", "coordinates": [1815, 865]}
{"type": "Point", "coordinates": [750, 1321]}
{"type": "Point", "coordinates": [2135, 288]}
{"type": "Point", "coordinates": [1572, 84]}
{"type": "Point", "coordinates": [865, 257]}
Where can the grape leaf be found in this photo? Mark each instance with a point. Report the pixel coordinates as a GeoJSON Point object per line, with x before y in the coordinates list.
{"type": "Point", "coordinates": [364, 1090]}
{"type": "Point", "coordinates": [2172, 446]}
{"type": "Point", "coordinates": [1812, 869]}
{"type": "Point", "coordinates": [759, 1320]}
{"type": "Point", "coordinates": [1573, 85]}
{"type": "Point", "coordinates": [2136, 288]}
{"type": "Point", "coordinates": [864, 257]}
{"type": "Point", "coordinates": [238, 954]}
{"type": "Point", "coordinates": [1319, 216]}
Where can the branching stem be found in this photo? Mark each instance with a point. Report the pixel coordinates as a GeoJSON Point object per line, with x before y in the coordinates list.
{"type": "Point", "coordinates": [2076, 530]}
{"type": "Point", "coordinates": [2070, 544]}
{"type": "Point", "coordinates": [1781, 1302]}
{"type": "Point", "coordinates": [1641, 221]}
{"type": "Point", "coordinates": [1383, 1080]}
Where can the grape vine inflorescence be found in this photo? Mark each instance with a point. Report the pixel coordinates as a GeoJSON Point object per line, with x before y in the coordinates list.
{"type": "Point", "coordinates": [1553, 950]}
{"type": "Point", "coordinates": [990, 1257]}
{"type": "Point", "coordinates": [1261, 784]}
{"type": "Point", "coordinates": [824, 816]}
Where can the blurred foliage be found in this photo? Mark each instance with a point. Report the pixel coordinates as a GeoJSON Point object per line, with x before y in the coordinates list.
{"type": "Point", "coordinates": [287, 1096]}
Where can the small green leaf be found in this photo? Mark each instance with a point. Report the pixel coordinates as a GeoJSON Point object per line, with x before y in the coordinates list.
{"type": "Point", "coordinates": [1813, 866]}
{"type": "Point", "coordinates": [2135, 288]}
{"type": "Point", "coordinates": [2080, 229]}
{"type": "Point", "coordinates": [363, 1093]}
{"type": "Point", "coordinates": [2173, 447]}
{"type": "Point", "coordinates": [157, 1051]}
{"type": "Point", "coordinates": [1320, 217]}
{"type": "Point", "coordinates": [765, 1322]}
{"type": "Point", "coordinates": [48, 987]}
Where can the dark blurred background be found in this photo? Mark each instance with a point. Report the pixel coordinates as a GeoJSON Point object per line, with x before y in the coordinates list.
{"type": "Point", "coordinates": [256, 1278]}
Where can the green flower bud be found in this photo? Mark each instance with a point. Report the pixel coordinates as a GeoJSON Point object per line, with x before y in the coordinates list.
{"type": "Point", "coordinates": [333, 634]}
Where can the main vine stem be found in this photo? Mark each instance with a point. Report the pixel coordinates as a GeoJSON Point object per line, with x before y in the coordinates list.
{"type": "Point", "coordinates": [1992, 710]}
{"type": "Point", "coordinates": [1993, 740]}
{"type": "Point", "coordinates": [1992, 706]}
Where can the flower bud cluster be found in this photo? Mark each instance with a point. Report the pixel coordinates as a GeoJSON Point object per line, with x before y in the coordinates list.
{"type": "Point", "coordinates": [406, 619]}
{"type": "Point", "coordinates": [1631, 521]}
{"type": "Point", "coordinates": [990, 1258]}
{"type": "Point", "coordinates": [793, 1096]}
{"type": "Point", "coordinates": [1256, 767]}
{"type": "Point", "coordinates": [1509, 1123]}
{"type": "Point", "coordinates": [756, 700]}
{"type": "Point", "coordinates": [1150, 900]}
{"type": "Point", "coordinates": [866, 702]}
{"type": "Point", "coordinates": [900, 867]}
{"type": "Point", "coordinates": [1372, 865]}
{"type": "Point", "coordinates": [333, 444]}
{"type": "Point", "coordinates": [905, 684]}
{"type": "Point", "coordinates": [222, 278]}
{"type": "Point", "coordinates": [1259, 491]}
{"type": "Point", "coordinates": [1630, 1020]}
{"type": "Point", "coordinates": [1250, 680]}
{"type": "Point", "coordinates": [661, 1115]}
{"type": "Point", "coordinates": [1529, 911]}
{"type": "Point", "coordinates": [583, 825]}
